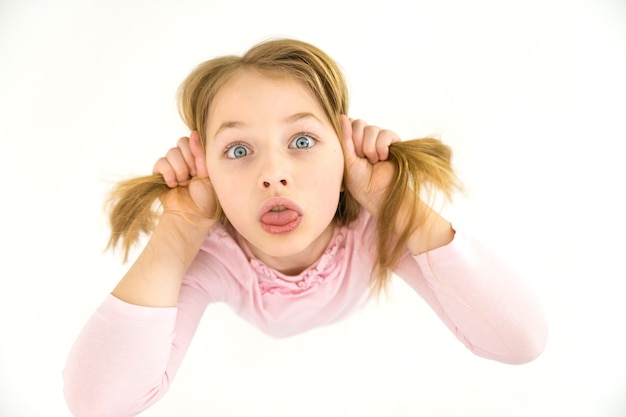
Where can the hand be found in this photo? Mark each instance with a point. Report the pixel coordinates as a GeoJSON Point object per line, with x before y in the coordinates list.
{"type": "Point", "coordinates": [366, 153]}
{"type": "Point", "coordinates": [184, 170]}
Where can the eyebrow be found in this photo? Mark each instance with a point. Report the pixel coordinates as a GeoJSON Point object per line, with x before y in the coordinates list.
{"type": "Point", "coordinates": [287, 120]}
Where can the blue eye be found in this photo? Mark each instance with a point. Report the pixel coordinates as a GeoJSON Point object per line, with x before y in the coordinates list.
{"type": "Point", "coordinates": [302, 141]}
{"type": "Point", "coordinates": [237, 151]}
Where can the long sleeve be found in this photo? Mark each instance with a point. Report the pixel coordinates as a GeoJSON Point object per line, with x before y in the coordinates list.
{"type": "Point", "coordinates": [126, 355]}
{"type": "Point", "coordinates": [481, 299]}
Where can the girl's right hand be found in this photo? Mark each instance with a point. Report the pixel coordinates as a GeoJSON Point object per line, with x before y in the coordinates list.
{"type": "Point", "coordinates": [184, 170]}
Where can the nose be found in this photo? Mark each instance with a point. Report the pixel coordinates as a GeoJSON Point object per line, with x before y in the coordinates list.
{"type": "Point", "coordinates": [274, 172]}
{"type": "Point", "coordinates": [268, 184]}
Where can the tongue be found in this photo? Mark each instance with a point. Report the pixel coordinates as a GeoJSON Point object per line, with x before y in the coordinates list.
{"type": "Point", "coordinates": [279, 218]}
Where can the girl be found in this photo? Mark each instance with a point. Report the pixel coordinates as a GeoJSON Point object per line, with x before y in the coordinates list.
{"type": "Point", "coordinates": [281, 206]}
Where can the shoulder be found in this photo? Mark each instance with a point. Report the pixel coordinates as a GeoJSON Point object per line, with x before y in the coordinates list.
{"type": "Point", "coordinates": [362, 231]}
{"type": "Point", "coordinates": [220, 240]}
{"type": "Point", "coordinates": [220, 268]}
{"type": "Point", "coordinates": [360, 241]}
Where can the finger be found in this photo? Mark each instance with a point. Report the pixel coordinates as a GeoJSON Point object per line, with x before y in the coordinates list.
{"type": "Point", "coordinates": [385, 139]}
{"type": "Point", "coordinates": [348, 142]}
{"type": "Point", "coordinates": [163, 167]}
{"type": "Point", "coordinates": [185, 149]}
{"type": "Point", "coordinates": [370, 139]}
{"type": "Point", "coordinates": [199, 156]}
{"type": "Point", "coordinates": [176, 160]}
{"type": "Point", "coordinates": [358, 127]}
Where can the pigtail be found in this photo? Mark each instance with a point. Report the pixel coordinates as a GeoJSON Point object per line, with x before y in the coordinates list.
{"type": "Point", "coordinates": [423, 167]}
{"type": "Point", "coordinates": [134, 207]}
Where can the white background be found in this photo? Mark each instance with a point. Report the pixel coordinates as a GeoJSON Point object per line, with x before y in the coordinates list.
{"type": "Point", "coordinates": [530, 95]}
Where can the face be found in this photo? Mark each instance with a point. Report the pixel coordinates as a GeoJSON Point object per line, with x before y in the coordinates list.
{"type": "Point", "coordinates": [276, 165]}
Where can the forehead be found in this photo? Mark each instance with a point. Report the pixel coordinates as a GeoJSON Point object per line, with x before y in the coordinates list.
{"type": "Point", "coordinates": [253, 88]}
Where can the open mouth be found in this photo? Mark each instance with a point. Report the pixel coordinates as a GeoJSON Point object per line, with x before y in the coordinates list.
{"type": "Point", "coordinates": [279, 216]}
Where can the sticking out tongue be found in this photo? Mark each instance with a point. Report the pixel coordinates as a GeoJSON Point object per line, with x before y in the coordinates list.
{"type": "Point", "coordinates": [279, 218]}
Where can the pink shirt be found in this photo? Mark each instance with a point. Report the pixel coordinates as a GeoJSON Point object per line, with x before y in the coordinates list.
{"type": "Point", "coordinates": [126, 355]}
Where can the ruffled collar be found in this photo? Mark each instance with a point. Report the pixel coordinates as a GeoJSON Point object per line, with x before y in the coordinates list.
{"type": "Point", "coordinates": [272, 281]}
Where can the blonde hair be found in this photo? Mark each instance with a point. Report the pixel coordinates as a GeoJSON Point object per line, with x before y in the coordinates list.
{"type": "Point", "coordinates": [420, 164]}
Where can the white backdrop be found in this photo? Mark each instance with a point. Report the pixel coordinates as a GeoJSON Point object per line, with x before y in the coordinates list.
{"type": "Point", "coordinates": [530, 95]}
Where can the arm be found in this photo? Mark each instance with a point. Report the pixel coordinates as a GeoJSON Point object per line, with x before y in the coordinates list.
{"type": "Point", "coordinates": [126, 356]}
{"type": "Point", "coordinates": [433, 233]}
{"type": "Point", "coordinates": [370, 174]}
{"type": "Point", "coordinates": [480, 298]}
{"type": "Point", "coordinates": [154, 278]}
{"type": "Point", "coordinates": [130, 349]}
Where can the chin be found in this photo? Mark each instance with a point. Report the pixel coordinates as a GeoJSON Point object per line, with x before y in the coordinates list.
{"type": "Point", "coordinates": [282, 249]}
{"type": "Point", "coordinates": [302, 245]}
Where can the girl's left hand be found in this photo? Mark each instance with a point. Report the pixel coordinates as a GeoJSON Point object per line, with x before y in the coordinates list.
{"type": "Point", "coordinates": [366, 152]}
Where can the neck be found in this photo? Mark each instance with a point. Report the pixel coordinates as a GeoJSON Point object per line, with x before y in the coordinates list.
{"type": "Point", "coordinates": [298, 262]}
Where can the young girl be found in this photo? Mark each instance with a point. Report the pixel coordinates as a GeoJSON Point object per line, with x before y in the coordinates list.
{"type": "Point", "coordinates": [281, 206]}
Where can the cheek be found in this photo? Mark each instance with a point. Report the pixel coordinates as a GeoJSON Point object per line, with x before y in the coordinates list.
{"type": "Point", "coordinates": [223, 185]}
{"type": "Point", "coordinates": [329, 176]}
{"type": "Point", "coordinates": [218, 172]}
{"type": "Point", "coordinates": [337, 169]}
